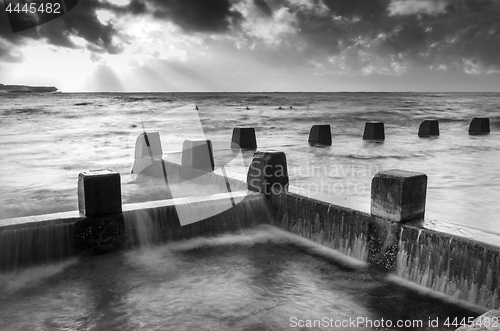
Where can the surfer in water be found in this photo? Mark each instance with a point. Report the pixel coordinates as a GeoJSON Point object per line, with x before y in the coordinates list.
{"type": "Point", "coordinates": [280, 108]}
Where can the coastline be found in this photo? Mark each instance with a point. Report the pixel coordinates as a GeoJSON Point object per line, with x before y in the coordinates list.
{"type": "Point", "coordinates": [27, 89]}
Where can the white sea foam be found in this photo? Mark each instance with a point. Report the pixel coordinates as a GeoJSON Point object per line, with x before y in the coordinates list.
{"type": "Point", "coordinates": [148, 257]}
{"type": "Point", "coordinates": [11, 282]}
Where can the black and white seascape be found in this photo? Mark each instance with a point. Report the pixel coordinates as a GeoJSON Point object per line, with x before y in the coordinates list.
{"type": "Point", "coordinates": [79, 86]}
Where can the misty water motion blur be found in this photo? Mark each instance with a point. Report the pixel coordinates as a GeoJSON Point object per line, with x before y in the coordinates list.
{"type": "Point", "coordinates": [259, 279]}
{"type": "Point", "coordinates": [46, 140]}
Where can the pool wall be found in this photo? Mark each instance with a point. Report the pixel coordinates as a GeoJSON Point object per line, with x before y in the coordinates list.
{"type": "Point", "coordinates": [461, 268]}
{"type": "Point", "coordinates": [49, 238]}
{"type": "Point", "coordinates": [391, 237]}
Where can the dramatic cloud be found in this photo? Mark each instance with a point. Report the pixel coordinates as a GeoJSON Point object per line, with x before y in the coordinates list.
{"type": "Point", "coordinates": [195, 15]}
{"type": "Point", "coordinates": [264, 7]}
{"type": "Point", "coordinates": [270, 28]}
{"type": "Point", "coordinates": [321, 37]}
{"type": "Point", "coordinates": [80, 22]}
{"type": "Point", "coordinates": [83, 23]}
{"type": "Point", "coordinates": [405, 7]}
{"type": "Point", "coordinates": [9, 53]}
{"type": "Point", "coordinates": [395, 36]}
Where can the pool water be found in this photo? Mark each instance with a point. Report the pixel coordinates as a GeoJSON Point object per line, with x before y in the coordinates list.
{"type": "Point", "coordinates": [260, 279]}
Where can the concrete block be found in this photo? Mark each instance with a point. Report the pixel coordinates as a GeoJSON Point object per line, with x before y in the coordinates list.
{"type": "Point", "coordinates": [99, 193]}
{"type": "Point", "coordinates": [399, 195]}
{"type": "Point", "coordinates": [148, 144]}
{"type": "Point", "coordinates": [479, 125]}
{"type": "Point", "coordinates": [428, 128]}
{"type": "Point", "coordinates": [268, 173]}
{"type": "Point", "coordinates": [383, 243]}
{"type": "Point", "coordinates": [374, 131]}
{"type": "Point", "coordinates": [244, 138]}
{"type": "Point", "coordinates": [320, 134]}
{"type": "Point", "coordinates": [198, 154]}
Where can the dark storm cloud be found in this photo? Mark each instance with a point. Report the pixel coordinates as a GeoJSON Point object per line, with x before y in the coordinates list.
{"type": "Point", "coordinates": [137, 7]}
{"type": "Point", "coordinates": [264, 7]}
{"type": "Point", "coordinates": [345, 22]}
{"type": "Point", "coordinates": [196, 15]}
{"type": "Point", "coordinates": [191, 15]}
{"type": "Point", "coordinates": [423, 32]}
{"type": "Point", "coordinates": [80, 22]}
{"type": "Point", "coordinates": [466, 31]}
{"type": "Point", "coordinates": [417, 32]}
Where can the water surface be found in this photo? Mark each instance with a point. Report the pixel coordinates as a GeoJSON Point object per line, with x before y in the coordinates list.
{"type": "Point", "coordinates": [46, 140]}
{"type": "Point", "coordinates": [255, 280]}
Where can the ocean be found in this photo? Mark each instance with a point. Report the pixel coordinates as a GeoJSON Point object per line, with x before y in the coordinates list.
{"type": "Point", "coordinates": [46, 140]}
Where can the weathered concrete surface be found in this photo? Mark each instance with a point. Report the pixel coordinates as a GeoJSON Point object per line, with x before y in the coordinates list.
{"type": "Point", "coordinates": [398, 195]}
{"type": "Point", "coordinates": [268, 173]}
{"type": "Point", "coordinates": [148, 144]}
{"type": "Point", "coordinates": [198, 154]}
{"type": "Point", "coordinates": [244, 138]}
{"type": "Point", "coordinates": [428, 128]}
{"type": "Point", "coordinates": [489, 321]}
{"type": "Point", "coordinates": [383, 243]}
{"type": "Point", "coordinates": [49, 238]}
{"type": "Point", "coordinates": [147, 150]}
{"type": "Point", "coordinates": [374, 131]}
{"type": "Point", "coordinates": [479, 125]}
{"type": "Point", "coordinates": [339, 228]}
{"type": "Point", "coordinates": [99, 193]}
{"type": "Point", "coordinates": [464, 269]}
{"type": "Point", "coordinates": [354, 233]}
{"type": "Point", "coordinates": [320, 134]}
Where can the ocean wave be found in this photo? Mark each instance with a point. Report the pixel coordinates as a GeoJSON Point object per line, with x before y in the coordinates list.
{"type": "Point", "coordinates": [380, 157]}
{"type": "Point", "coordinates": [27, 111]}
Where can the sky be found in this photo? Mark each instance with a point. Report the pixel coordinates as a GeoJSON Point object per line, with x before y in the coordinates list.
{"type": "Point", "coordinates": [259, 45]}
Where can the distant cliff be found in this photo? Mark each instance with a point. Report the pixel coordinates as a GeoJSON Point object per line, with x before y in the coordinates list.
{"type": "Point", "coordinates": [27, 89]}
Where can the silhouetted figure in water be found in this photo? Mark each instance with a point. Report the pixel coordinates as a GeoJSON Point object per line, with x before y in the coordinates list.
{"type": "Point", "coordinates": [196, 106]}
{"type": "Point", "coordinates": [291, 107]}
{"type": "Point", "coordinates": [248, 108]}
{"type": "Point", "coordinates": [280, 108]}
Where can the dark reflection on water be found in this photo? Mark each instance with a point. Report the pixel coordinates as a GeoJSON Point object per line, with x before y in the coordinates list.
{"type": "Point", "coordinates": [226, 286]}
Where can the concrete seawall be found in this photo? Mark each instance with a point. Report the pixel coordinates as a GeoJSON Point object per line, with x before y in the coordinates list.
{"type": "Point", "coordinates": [339, 228]}
{"type": "Point", "coordinates": [463, 269]}
{"type": "Point", "coordinates": [49, 238]}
